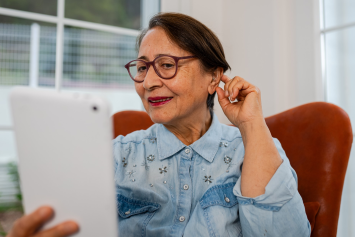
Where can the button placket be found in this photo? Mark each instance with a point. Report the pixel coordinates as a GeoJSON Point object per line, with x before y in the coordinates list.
{"type": "Point", "coordinates": [185, 195]}
{"type": "Point", "coordinates": [187, 153]}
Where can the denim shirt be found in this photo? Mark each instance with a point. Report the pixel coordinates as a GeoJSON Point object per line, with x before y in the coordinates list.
{"type": "Point", "coordinates": [165, 188]}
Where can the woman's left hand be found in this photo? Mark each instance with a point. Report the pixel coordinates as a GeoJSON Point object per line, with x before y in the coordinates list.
{"type": "Point", "coordinates": [248, 108]}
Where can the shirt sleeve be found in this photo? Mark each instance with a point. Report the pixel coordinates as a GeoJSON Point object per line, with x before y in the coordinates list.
{"type": "Point", "coordinates": [280, 210]}
{"type": "Point", "coordinates": [119, 158]}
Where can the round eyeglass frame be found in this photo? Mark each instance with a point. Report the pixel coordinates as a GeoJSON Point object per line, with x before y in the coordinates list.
{"type": "Point", "coordinates": [152, 63]}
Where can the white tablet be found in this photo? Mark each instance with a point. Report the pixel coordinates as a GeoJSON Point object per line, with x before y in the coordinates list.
{"type": "Point", "coordinates": [64, 143]}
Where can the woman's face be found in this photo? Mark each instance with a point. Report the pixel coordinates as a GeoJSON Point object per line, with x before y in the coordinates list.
{"type": "Point", "coordinates": [186, 93]}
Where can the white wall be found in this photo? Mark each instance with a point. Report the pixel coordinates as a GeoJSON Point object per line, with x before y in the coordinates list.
{"type": "Point", "coordinates": [274, 44]}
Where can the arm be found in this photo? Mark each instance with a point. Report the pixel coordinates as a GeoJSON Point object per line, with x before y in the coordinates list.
{"type": "Point", "coordinates": [277, 212]}
{"type": "Point", "coordinates": [261, 156]}
{"type": "Point", "coordinates": [269, 203]}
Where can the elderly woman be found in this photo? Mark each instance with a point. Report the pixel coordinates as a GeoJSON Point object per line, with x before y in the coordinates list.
{"type": "Point", "coordinates": [188, 174]}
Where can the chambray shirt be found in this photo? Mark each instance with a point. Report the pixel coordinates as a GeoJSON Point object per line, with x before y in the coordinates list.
{"type": "Point", "coordinates": [165, 188]}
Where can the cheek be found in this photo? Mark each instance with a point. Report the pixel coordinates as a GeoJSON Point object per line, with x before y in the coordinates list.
{"type": "Point", "coordinates": [139, 89]}
{"type": "Point", "coordinates": [192, 83]}
{"type": "Point", "coordinates": [189, 90]}
{"type": "Point", "coordinates": [183, 83]}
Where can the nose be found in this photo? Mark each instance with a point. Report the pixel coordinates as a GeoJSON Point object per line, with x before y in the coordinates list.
{"type": "Point", "coordinates": [152, 80]}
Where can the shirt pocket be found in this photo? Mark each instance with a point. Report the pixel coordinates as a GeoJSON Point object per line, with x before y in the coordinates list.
{"type": "Point", "coordinates": [221, 211]}
{"type": "Point", "coordinates": [134, 215]}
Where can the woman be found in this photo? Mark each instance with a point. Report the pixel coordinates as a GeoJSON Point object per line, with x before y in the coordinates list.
{"type": "Point", "coordinates": [189, 175]}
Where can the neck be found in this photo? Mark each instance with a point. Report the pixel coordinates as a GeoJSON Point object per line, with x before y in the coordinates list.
{"type": "Point", "coordinates": [190, 129]}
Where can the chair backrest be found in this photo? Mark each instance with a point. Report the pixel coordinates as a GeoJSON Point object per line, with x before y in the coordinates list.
{"type": "Point", "coordinates": [317, 138]}
{"type": "Point", "coordinates": [125, 122]}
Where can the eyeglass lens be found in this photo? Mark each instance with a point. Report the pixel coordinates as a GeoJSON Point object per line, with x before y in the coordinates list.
{"type": "Point", "coordinates": [165, 66]}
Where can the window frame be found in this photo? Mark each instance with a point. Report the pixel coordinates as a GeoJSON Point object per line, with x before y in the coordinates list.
{"type": "Point", "coordinates": [323, 31]}
{"type": "Point", "coordinates": [60, 21]}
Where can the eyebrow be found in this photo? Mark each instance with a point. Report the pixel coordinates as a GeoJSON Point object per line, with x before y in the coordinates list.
{"type": "Point", "coordinates": [157, 55]}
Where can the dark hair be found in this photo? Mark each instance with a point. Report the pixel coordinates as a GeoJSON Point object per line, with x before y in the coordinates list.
{"type": "Point", "coordinates": [194, 37]}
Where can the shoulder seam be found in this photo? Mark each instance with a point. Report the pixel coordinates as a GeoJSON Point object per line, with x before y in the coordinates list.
{"type": "Point", "coordinates": [135, 141]}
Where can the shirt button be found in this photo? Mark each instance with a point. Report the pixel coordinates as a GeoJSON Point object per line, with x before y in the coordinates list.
{"type": "Point", "coordinates": [182, 218]}
{"type": "Point", "coordinates": [187, 150]}
{"type": "Point", "coordinates": [226, 199]}
{"type": "Point", "coordinates": [186, 187]}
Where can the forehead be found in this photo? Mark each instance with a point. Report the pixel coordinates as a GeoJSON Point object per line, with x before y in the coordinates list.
{"type": "Point", "coordinates": [157, 42]}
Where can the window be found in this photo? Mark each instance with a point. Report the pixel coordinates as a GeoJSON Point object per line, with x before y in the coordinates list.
{"type": "Point", "coordinates": [338, 41]}
{"type": "Point", "coordinates": [72, 45]}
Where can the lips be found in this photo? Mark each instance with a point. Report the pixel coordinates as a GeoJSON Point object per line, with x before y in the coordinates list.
{"type": "Point", "coordinates": [156, 101]}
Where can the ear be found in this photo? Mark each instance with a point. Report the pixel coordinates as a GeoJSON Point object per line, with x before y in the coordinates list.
{"type": "Point", "coordinates": [216, 76]}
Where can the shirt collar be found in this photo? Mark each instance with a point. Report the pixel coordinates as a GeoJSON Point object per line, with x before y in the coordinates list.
{"type": "Point", "coordinates": [206, 146]}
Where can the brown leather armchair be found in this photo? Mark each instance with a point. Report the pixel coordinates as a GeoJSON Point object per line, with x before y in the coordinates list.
{"type": "Point", "coordinates": [317, 138]}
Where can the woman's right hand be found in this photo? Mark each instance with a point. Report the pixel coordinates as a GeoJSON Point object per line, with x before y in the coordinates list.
{"type": "Point", "coordinates": [27, 226]}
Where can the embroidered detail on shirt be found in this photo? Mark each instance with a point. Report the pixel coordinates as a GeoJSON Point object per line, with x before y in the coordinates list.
{"type": "Point", "coordinates": [225, 144]}
{"type": "Point", "coordinates": [208, 179]}
{"type": "Point", "coordinates": [151, 158]}
{"type": "Point", "coordinates": [227, 159]}
{"type": "Point", "coordinates": [163, 170]}
{"type": "Point", "coordinates": [153, 140]}
{"type": "Point", "coordinates": [130, 173]}
{"type": "Point", "coordinates": [124, 162]}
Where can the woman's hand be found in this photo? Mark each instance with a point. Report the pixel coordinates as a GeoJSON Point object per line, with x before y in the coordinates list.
{"type": "Point", "coordinates": [248, 108]}
{"type": "Point", "coordinates": [262, 158]}
{"type": "Point", "coordinates": [27, 226]}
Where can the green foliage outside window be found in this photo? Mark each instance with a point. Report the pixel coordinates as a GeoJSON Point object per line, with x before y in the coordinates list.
{"type": "Point", "coordinates": [122, 13]}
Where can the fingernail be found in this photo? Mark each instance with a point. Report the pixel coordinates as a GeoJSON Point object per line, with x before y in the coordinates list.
{"type": "Point", "coordinates": [70, 227]}
{"type": "Point", "coordinates": [44, 212]}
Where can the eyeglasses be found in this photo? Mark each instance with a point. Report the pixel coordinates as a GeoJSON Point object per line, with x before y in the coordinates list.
{"type": "Point", "coordinates": [165, 67]}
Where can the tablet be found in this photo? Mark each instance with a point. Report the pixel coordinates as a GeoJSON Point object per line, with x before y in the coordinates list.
{"type": "Point", "coordinates": [64, 144]}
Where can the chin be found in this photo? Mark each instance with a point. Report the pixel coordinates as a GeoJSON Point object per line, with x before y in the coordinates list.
{"type": "Point", "coordinates": [160, 117]}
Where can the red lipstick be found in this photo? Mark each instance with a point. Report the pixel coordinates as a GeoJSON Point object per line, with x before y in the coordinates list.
{"type": "Point", "coordinates": [157, 101]}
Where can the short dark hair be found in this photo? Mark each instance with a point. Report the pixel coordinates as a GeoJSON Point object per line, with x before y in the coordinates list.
{"type": "Point", "coordinates": [194, 37]}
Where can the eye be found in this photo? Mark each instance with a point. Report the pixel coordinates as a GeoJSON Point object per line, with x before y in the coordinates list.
{"type": "Point", "coordinates": [141, 68]}
{"type": "Point", "coordinates": [168, 65]}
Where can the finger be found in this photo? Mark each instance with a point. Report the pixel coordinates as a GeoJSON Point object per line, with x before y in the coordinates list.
{"type": "Point", "coordinates": [240, 98]}
{"type": "Point", "coordinates": [241, 88]}
{"type": "Point", "coordinates": [225, 78]}
{"type": "Point", "coordinates": [222, 98]}
{"type": "Point", "coordinates": [227, 82]}
{"type": "Point", "coordinates": [65, 229]}
{"type": "Point", "coordinates": [28, 224]}
{"type": "Point", "coordinates": [233, 89]}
